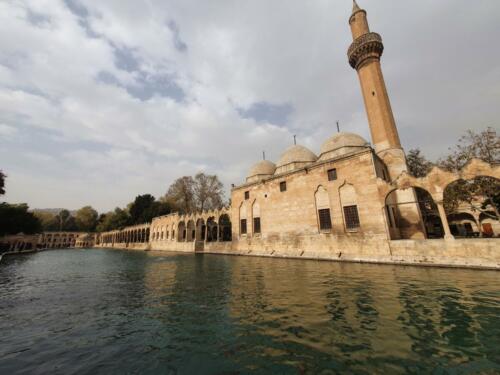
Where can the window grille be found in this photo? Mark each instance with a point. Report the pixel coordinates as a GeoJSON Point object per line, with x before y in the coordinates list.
{"type": "Point", "coordinates": [256, 224]}
{"type": "Point", "coordinates": [351, 217]}
{"type": "Point", "coordinates": [332, 174]}
{"type": "Point", "coordinates": [325, 221]}
{"type": "Point", "coordinates": [243, 226]}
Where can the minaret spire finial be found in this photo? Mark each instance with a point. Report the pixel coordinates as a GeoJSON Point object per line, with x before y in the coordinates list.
{"type": "Point", "coordinates": [355, 6]}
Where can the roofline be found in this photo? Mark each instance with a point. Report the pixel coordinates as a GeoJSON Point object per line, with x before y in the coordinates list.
{"type": "Point", "coordinates": [314, 165]}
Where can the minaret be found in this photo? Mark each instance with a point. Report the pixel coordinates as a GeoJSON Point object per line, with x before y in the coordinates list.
{"type": "Point", "coordinates": [364, 56]}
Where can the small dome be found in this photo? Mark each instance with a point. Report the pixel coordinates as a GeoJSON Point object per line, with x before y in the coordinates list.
{"type": "Point", "coordinates": [297, 154]}
{"type": "Point", "coordinates": [263, 167]}
{"type": "Point", "coordinates": [343, 143]}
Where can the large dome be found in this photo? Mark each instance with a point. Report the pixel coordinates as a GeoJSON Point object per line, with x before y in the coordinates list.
{"type": "Point", "coordinates": [262, 169]}
{"type": "Point", "coordinates": [295, 157]}
{"type": "Point", "coordinates": [341, 144]}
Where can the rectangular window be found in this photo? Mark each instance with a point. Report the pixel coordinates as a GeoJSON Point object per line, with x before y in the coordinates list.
{"type": "Point", "coordinates": [283, 186]}
{"type": "Point", "coordinates": [325, 221]}
{"type": "Point", "coordinates": [332, 174]}
{"type": "Point", "coordinates": [351, 217]}
{"type": "Point", "coordinates": [247, 195]}
{"type": "Point", "coordinates": [256, 224]}
{"type": "Point", "coordinates": [243, 226]}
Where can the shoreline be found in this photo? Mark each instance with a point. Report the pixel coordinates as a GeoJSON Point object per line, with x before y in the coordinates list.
{"type": "Point", "coordinates": [424, 253]}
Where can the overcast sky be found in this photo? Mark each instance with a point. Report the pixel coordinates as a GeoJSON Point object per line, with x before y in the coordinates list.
{"type": "Point", "coordinates": [103, 100]}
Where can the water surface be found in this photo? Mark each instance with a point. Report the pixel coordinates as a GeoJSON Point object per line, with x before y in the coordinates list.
{"type": "Point", "coordinates": [117, 312]}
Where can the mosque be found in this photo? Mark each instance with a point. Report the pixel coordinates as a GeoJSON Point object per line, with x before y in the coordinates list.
{"type": "Point", "coordinates": [351, 200]}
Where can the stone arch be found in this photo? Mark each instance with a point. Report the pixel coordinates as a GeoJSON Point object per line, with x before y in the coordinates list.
{"type": "Point", "coordinates": [463, 224]}
{"type": "Point", "coordinates": [256, 218]}
{"type": "Point", "coordinates": [225, 230]}
{"type": "Point", "coordinates": [349, 204]}
{"type": "Point", "coordinates": [181, 232]}
{"type": "Point", "coordinates": [323, 209]}
{"type": "Point", "coordinates": [200, 229]}
{"type": "Point", "coordinates": [191, 231]}
{"type": "Point", "coordinates": [416, 216]}
{"type": "Point", "coordinates": [474, 193]}
{"type": "Point", "coordinates": [212, 229]}
{"type": "Point", "coordinates": [243, 219]}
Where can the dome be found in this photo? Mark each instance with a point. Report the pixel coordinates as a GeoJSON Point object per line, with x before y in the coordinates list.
{"type": "Point", "coordinates": [297, 154]}
{"type": "Point", "coordinates": [263, 167]}
{"type": "Point", "coordinates": [295, 157]}
{"type": "Point", "coordinates": [342, 144]}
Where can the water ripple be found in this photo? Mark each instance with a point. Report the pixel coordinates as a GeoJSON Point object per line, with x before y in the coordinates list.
{"type": "Point", "coordinates": [107, 312]}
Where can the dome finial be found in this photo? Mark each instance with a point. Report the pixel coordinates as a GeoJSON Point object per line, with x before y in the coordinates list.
{"type": "Point", "coordinates": [355, 6]}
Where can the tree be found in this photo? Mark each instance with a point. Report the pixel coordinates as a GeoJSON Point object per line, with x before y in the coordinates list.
{"type": "Point", "coordinates": [484, 146]}
{"type": "Point", "coordinates": [208, 192]}
{"type": "Point", "coordinates": [2, 183]}
{"type": "Point", "coordinates": [86, 219]}
{"type": "Point", "coordinates": [117, 219]}
{"type": "Point", "coordinates": [48, 221]}
{"type": "Point", "coordinates": [203, 192]}
{"type": "Point", "coordinates": [15, 218]}
{"type": "Point", "coordinates": [63, 218]}
{"type": "Point", "coordinates": [418, 165]}
{"type": "Point", "coordinates": [145, 208]}
{"type": "Point", "coordinates": [181, 192]}
{"type": "Point", "coordinates": [482, 193]}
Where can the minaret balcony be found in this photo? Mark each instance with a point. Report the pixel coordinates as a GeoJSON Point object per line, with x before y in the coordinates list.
{"type": "Point", "coordinates": [365, 47]}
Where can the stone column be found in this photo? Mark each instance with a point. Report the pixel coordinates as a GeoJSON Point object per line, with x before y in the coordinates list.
{"type": "Point", "coordinates": [444, 221]}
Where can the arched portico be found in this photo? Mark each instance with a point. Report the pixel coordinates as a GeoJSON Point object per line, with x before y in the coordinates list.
{"type": "Point", "coordinates": [225, 230]}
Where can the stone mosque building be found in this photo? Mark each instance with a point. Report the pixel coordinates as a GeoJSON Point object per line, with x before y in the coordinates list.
{"type": "Point", "coordinates": [350, 200]}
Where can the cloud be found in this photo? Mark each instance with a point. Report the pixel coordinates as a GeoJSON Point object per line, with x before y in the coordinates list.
{"type": "Point", "coordinates": [101, 101]}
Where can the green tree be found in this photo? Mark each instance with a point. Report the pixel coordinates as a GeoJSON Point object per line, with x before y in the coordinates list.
{"type": "Point", "coordinates": [117, 219]}
{"type": "Point", "coordinates": [418, 165]}
{"type": "Point", "coordinates": [141, 208]}
{"type": "Point", "coordinates": [86, 219]}
{"type": "Point", "coordinates": [2, 183]}
{"type": "Point", "coordinates": [15, 218]}
{"type": "Point", "coordinates": [48, 221]}
{"type": "Point", "coordinates": [63, 218]}
{"type": "Point", "coordinates": [484, 146]}
{"type": "Point", "coordinates": [483, 193]}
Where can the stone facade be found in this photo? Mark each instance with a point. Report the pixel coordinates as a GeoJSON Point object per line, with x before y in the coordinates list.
{"type": "Point", "coordinates": [352, 202]}
{"type": "Point", "coordinates": [45, 241]}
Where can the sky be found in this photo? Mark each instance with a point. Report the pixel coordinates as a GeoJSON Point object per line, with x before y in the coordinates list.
{"type": "Point", "coordinates": [101, 101]}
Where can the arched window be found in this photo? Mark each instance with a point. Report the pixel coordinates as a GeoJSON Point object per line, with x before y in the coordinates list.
{"type": "Point", "coordinates": [349, 202]}
{"type": "Point", "coordinates": [243, 219]}
{"type": "Point", "coordinates": [323, 209]}
{"type": "Point", "coordinates": [256, 218]}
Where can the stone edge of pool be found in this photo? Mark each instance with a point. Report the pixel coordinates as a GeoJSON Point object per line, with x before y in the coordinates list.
{"type": "Point", "coordinates": [457, 253]}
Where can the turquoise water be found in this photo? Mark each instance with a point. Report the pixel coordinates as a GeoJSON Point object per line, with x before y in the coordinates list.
{"type": "Point", "coordinates": [118, 312]}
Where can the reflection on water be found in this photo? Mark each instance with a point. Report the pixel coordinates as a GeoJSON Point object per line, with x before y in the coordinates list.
{"type": "Point", "coordinates": [96, 311]}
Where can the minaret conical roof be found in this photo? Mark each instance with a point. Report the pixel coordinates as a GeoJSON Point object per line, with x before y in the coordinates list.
{"type": "Point", "coordinates": [355, 6]}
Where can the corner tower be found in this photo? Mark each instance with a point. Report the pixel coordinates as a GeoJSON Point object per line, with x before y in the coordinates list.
{"type": "Point", "coordinates": [364, 56]}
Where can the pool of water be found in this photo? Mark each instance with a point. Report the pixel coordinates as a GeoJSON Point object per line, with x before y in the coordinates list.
{"type": "Point", "coordinates": [116, 312]}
